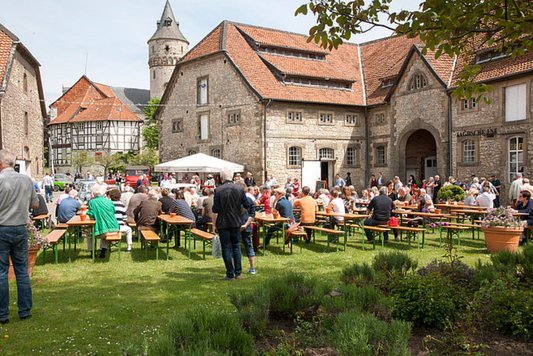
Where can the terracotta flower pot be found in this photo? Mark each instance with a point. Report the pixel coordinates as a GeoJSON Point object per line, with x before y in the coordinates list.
{"type": "Point", "coordinates": [32, 255]}
{"type": "Point", "coordinates": [275, 215]}
{"type": "Point", "coordinates": [498, 238]}
{"type": "Point", "coordinates": [328, 210]}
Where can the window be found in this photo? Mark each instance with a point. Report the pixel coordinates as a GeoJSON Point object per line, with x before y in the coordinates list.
{"type": "Point", "coordinates": [215, 152]}
{"type": "Point", "coordinates": [26, 124]}
{"type": "Point", "coordinates": [98, 156]}
{"type": "Point", "coordinates": [99, 124]}
{"type": "Point", "coordinates": [202, 91]}
{"type": "Point", "coordinates": [380, 155]}
{"type": "Point", "coordinates": [295, 156]}
{"type": "Point", "coordinates": [350, 120]}
{"type": "Point", "coordinates": [25, 83]}
{"type": "Point", "coordinates": [204, 127]}
{"type": "Point", "coordinates": [294, 116]}
{"type": "Point", "coordinates": [177, 125]}
{"type": "Point", "coordinates": [351, 156]}
{"type": "Point", "coordinates": [234, 117]}
{"type": "Point", "coordinates": [469, 104]}
{"type": "Point", "coordinates": [153, 74]}
{"type": "Point", "coordinates": [325, 153]}
{"type": "Point", "coordinates": [380, 119]}
{"type": "Point", "coordinates": [418, 82]}
{"type": "Point", "coordinates": [469, 151]}
{"type": "Point", "coordinates": [191, 152]}
{"type": "Point", "coordinates": [325, 118]}
{"type": "Point", "coordinates": [515, 103]}
{"type": "Point", "coordinates": [516, 157]}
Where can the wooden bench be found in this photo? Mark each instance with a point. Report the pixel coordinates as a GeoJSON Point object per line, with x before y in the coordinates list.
{"type": "Point", "coordinates": [474, 227]}
{"type": "Point", "coordinates": [452, 230]}
{"type": "Point", "coordinates": [151, 237]}
{"type": "Point", "coordinates": [45, 218]}
{"type": "Point", "coordinates": [207, 237]}
{"type": "Point", "coordinates": [133, 226]}
{"type": "Point", "coordinates": [412, 232]}
{"type": "Point", "coordinates": [330, 232]}
{"type": "Point", "coordinates": [376, 232]}
{"type": "Point", "coordinates": [113, 239]}
{"type": "Point", "coordinates": [53, 239]}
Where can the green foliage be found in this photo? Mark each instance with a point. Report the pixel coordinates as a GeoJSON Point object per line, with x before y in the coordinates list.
{"type": "Point", "coordinates": [107, 160]}
{"type": "Point", "coordinates": [361, 299]}
{"type": "Point", "coordinates": [200, 332]}
{"type": "Point", "coordinates": [363, 334]}
{"type": "Point", "coordinates": [459, 273]}
{"type": "Point", "coordinates": [446, 27]}
{"type": "Point", "coordinates": [391, 262]}
{"type": "Point", "coordinates": [145, 158]}
{"type": "Point", "coordinates": [359, 273]}
{"type": "Point", "coordinates": [81, 159]}
{"type": "Point", "coordinates": [151, 127]}
{"type": "Point", "coordinates": [425, 300]}
{"type": "Point", "coordinates": [451, 193]}
{"type": "Point", "coordinates": [526, 262]}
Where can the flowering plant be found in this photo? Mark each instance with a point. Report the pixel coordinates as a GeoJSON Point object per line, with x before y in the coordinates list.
{"type": "Point", "coordinates": [502, 217]}
{"type": "Point", "coordinates": [35, 239]}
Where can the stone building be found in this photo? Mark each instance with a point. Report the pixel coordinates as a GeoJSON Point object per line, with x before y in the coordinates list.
{"type": "Point", "coordinates": [277, 104]}
{"type": "Point", "coordinates": [22, 107]}
{"type": "Point", "coordinates": [165, 48]}
{"type": "Point", "coordinates": [96, 118]}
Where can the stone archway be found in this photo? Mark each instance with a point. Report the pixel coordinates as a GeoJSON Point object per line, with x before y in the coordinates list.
{"type": "Point", "coordinates": [421, 155]}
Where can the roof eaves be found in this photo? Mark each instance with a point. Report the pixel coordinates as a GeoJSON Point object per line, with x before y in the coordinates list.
{"type": "Point", "coordinates": [363, 84]}
{"type": "Point", "coordinates": [496, 79]}
{"type": "Point", "coordinates": [9, 65]}
{"type": "Point", "coordinates": [313, 102]}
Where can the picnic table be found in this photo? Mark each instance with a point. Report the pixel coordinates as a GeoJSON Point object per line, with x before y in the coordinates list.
{"type": "Point", "coordinates": [180, 223]}
{"type": "Point", "coordinates": [268, 219]}
{"type": "Point", "coordinates": [76, 223]}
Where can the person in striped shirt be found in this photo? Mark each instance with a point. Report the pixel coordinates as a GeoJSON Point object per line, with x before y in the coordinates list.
{"type": "Point", "coordinates": [120, 214]}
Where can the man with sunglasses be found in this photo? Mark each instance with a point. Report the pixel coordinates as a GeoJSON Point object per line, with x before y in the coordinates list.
{"type": "Point", "coordinates": [525, 205]}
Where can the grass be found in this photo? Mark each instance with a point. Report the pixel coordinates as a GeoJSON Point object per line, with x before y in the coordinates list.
{"type": "Point", "coordinates": [98, 308]}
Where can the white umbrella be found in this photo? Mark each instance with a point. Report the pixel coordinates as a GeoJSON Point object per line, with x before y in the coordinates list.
{"type": "Point", "coordinates": [198, 163]}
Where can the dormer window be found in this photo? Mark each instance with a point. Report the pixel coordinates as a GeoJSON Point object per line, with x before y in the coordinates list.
{"type": "Point", "coordinates": [490, 56]}
{"type": "Point", "coordinates": [168, 22]}
{"type": "Point", "coordinates": [387, 82]}
{"type": "Point", "coordinates": [418, 81]}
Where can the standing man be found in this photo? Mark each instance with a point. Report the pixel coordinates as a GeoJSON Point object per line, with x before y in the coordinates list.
{"type": "Point", "coordinates": [381, 180]}
{"type": "Point", "coordinates": [249, 180]}
{"type": "Point", "coordinates": [339, 182]}
{"type": "Point", "coordinates": [398, 183]}
{"type": "Point", "coordinates": [17, 196]}
{"type": "Point", "coordinates": [498, 187]}
{"type": "Point", "coordinates": [227, 222]}
{"type": "Point", "coordinates": [348, 179]}
{"type": "Point", "coordinates": [437, 184]}
{"type": "Point", "coordinates": [514, 190]}
{"type": "Point", "coordinates": [48, 185]}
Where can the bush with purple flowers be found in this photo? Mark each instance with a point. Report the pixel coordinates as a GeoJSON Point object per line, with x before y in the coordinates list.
{"type": "Point", "coordinates": [35, 239]}
{"type": "Point", "coordinates": [501, 216]}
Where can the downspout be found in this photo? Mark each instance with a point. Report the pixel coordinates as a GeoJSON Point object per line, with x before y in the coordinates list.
{"type": "Point", "coordinates": [367, 148]}
{"type": "Point", "coordinates": [450, 133]}
{"type": "Point", "coordinates": [265, 134]}
{"type": "Point", "coordinates": [1, 142]}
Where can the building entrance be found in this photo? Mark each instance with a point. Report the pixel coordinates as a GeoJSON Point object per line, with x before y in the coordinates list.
{"type": "Point", "coordinates": [421, 155]}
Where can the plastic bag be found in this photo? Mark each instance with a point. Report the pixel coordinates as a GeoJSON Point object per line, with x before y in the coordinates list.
{"type": "Point", "coordinates": [217, 247]}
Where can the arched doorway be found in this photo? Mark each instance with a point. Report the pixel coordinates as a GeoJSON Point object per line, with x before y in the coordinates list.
{"type": "Point", "coordinates": [421, 155]}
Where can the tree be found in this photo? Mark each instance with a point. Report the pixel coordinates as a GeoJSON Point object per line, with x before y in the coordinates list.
{"type": "Point", "coordinates": [447, 27]}
{"type": "Point", "coordinates": [145, 158]}
{"type": "Point", "coordinates": [151, 127]}
{"type": "Point", "coordinates": [80, 159]}
{"type": "Point", "coordinates": [107, 160]}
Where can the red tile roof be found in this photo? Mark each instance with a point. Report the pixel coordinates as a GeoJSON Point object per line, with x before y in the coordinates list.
{"type": "Point", "coordinates": [5, 48]}
{"type": "Point", "coordinates": [79, 104]}
{"type": "Point", "coordinates": [383, 58]}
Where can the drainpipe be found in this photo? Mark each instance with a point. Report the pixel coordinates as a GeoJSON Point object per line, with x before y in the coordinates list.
{"type": "Point", "coordinates": [1, 143]}
{"type": "Point", "coordinates": [367, 147]}
{"type": "Point", "coordinates": [450, 134]}
{"type": "Point", "coordinates": [265, 134]}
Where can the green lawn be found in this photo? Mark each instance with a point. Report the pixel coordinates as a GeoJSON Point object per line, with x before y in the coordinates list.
{"type": "Point", "coordinates": [87, 308]}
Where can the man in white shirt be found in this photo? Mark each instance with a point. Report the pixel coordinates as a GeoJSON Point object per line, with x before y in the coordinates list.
{"type": "Point", "coordinates": [397, 183]}
{"type": "Point", "coordinates": [486, 199]}
{"type": "Point", "coordinates": [195, 196]}
{"type": "Point", "coordinates": [48, 185]}
{"type": "Point", "coordinates": [323, 198]}
{"type": "Point", "coordinates": [187, 195]}
{"type": "Point", "coordinates": [250, 193]}
{"type": "Point", "coordinates": [516, 187]}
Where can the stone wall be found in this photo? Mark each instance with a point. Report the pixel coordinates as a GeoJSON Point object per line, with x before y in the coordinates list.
{"type": "Point", "coordinates": [17, 101]}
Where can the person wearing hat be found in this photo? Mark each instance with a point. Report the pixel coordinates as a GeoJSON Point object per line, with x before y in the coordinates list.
{"type": "Point", "coordinates": [210, 182]}
{"type": "Point", "coordinates": [498, 186]}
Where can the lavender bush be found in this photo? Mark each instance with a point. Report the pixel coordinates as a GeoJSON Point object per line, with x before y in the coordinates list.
{"type": "Point", "coordinates": [501, 216]}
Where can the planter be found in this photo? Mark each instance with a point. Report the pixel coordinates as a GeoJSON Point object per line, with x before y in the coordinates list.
{"type": "Point", "coordinates": [498, 238]}
{"type": "Point", "coordinates": [32, 255]}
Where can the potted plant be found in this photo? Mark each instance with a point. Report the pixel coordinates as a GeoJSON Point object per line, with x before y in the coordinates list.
{"type": "Point", "coordinates": [502, 230]}
{"type": "Point", "coordinates": [35, 242]}
{"type": "Point", "coordinates": [451, 193]}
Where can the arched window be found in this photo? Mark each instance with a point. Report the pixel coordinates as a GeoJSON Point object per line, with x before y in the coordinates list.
{"type": "Point", "coordinates": [215, 152]}
{"type": "Point", "coordinates": [295, 156]}
{"type": "Point", "coordinates": [326, 153]}
{"type": "Point", "coordinates": [469, 151]}
{"type": "Point", "coordinates": [380, 155]}
{"type": "Point", "coordinates": [418, 81]}
{"type": "Point", "coordinates": [192, 152]}
{"type": "Point", "coordinates": [516, 157]}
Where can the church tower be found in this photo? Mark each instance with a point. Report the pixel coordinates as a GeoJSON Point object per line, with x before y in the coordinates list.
{"type": "Point", "coordinates": [166, 47]}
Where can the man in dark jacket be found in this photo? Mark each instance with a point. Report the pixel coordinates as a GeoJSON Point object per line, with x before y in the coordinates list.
{"type": "Point", "coordinates": [146, 213]}
{"type": "Point", "coordinates": [381, 208]}
{"type": "Point", "coordinates": [227, 222]}
{"type": "Point", "coordinates": [525, 205]}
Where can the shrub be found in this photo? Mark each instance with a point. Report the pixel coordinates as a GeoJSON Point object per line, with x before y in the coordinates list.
{"type": "Point", "coordinates": [451, 193]}
{"type": "Point", "coordinates": [199, 332]}
{"type": "Point", "coordinates": [425, 300]}
{"type": "Point", "coordinates": [363, 334]}
{"type": "Point", "coordinates": [459, 272]}
{"type": "Point", "coordinates": [394, 262]}
{"type": "Point", "coordinates": [360, 274]}
{"type": "Point", "coordinates": [360, 299]}
{"type": "Point", "coordinates": [526, 261]}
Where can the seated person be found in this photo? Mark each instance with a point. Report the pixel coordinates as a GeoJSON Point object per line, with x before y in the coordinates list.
{"type": "Point", "coordinates": [308, 208]}
{"type": "Point", "coordinates": [166, 201]}
{"type": "Point", "coordinates": [426, 196]}
{"type": "Point", "coordinates": [422, 208]}
{"type": "Point", "coordinates": [264, 199]}
{"type": "Point", "coordinates": [525, 205]}
{"type": "Point", "coordinates": [68, 207]}
{"type": "Point", "coordinates": [323, 197]}
{"type": "Point", "coordinates": [41, 210]}
{"type": "Point", "coordinates": [284, 207]}
{"type": "Point", "coordinates": [403, 194]}
{"type": "Point", "coordinates": [471, 197]}
{"type": "Point", "coordinates": [102, 210]}
{"type": "Point", "coordinates": [180, 206]}
{"type": "Point", "coordinates": [207, 210]}
{"type": "Point", "coordinates": [486, 199]}
{"type": "Point", "coordinates": [120, 215]}
{"type": "Point", "coordinates": [381, 208]}
{"type": "Point", "coordinates": [415, 194]}
{"type": "Point", "coordinates": [337, 206]}
{"type": "Point", "coordinates": [146, 213]}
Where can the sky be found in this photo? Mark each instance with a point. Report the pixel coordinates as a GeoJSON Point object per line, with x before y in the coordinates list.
{"type": "Point", "coordinates": [107, 39]}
